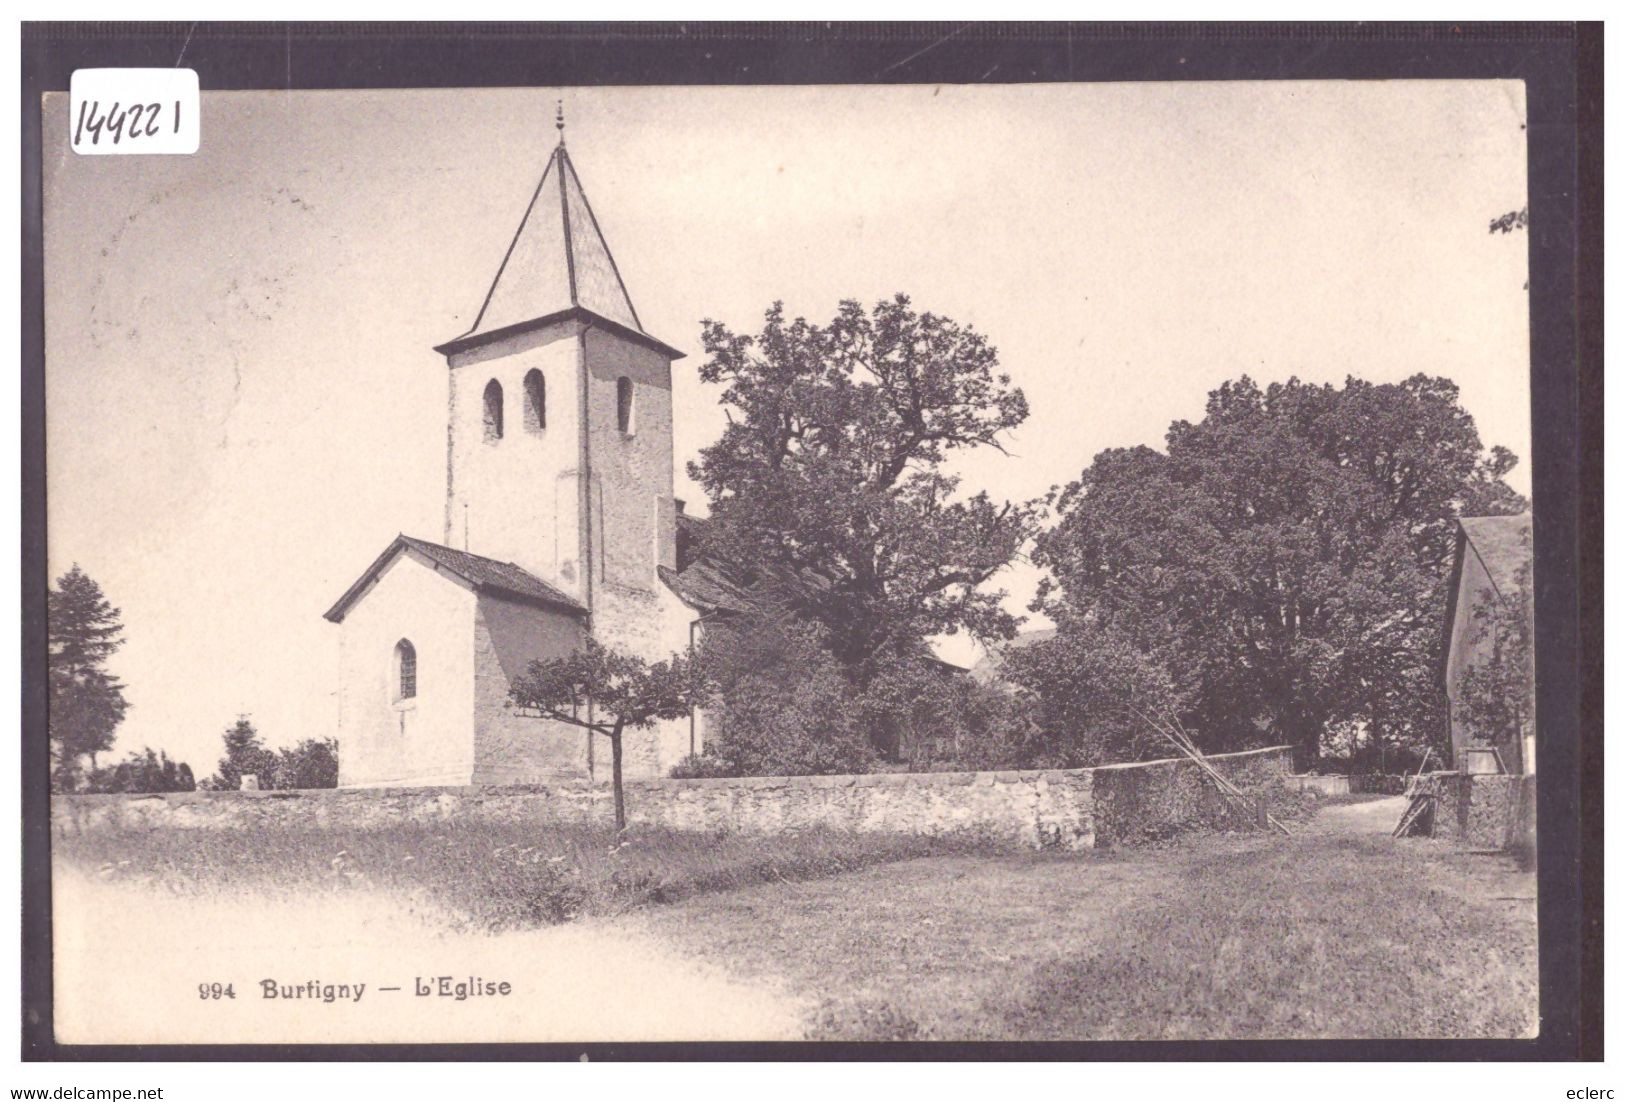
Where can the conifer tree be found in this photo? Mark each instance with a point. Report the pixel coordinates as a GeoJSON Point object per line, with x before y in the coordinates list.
{"type": "Point", "coordinates": [86, 702]}
{"type": "Point", "coordinates": [245, 755]}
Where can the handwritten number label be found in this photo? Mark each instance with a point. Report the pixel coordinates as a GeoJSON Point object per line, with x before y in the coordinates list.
{"type": "Point", "coordinates": [141, 120]}
{"type": "Point", "coordinates": [134, 111]}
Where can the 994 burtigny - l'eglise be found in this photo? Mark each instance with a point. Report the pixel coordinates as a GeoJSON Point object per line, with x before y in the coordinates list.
{"type": "Point", "coordinates": [559, 521]}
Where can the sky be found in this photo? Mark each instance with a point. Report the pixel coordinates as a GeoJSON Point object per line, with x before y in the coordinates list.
{"type": "Point", "coordinates": [244, 406]}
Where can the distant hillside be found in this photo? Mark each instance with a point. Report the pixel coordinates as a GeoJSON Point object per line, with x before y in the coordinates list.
{"type": "Point", "coordinates": [987, 670]}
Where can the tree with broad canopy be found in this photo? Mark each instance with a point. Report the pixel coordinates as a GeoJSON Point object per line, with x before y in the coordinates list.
{"type": "Point", "coordinates": [828, 482]}
{"type": "Point", "coordinates": [1285, 561]}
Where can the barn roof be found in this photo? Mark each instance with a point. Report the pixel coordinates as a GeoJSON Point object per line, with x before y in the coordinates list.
{"type": "Point", "coordinates": [1504, 545]}
{"type": "Point", "coordinates": [485, 575]}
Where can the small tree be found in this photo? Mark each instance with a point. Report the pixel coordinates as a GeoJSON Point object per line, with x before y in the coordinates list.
{"type": "Point", "coordinates": [607, 691]}
{"type": "Point", "coordinates": [245, 754]}
{"type": "Point", "coordinates": [86, 703]}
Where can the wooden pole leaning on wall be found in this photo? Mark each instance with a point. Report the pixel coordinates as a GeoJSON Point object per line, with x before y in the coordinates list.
{"type": "Point", "coordinates": [1416, 778]}
{"type": "Point", "coordinates": [1175, 733]}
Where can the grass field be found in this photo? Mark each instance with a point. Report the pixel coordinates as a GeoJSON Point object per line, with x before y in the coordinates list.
{"type": "Point", "coordinates": [485, 876]}
{"type": "Point", "coordinates": [1336, 935]}
{"type": "Point", "coordinates": [1340, 931]}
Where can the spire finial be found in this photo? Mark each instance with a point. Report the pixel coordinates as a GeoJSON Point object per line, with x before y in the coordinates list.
{"type": "Point", "coordinates": [558, 121]}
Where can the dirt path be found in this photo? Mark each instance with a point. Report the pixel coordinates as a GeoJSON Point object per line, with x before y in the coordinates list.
{"type": "Point", "coordinates": [1375, 816]}
{"type": "Point", "coordinates": [129, 961]}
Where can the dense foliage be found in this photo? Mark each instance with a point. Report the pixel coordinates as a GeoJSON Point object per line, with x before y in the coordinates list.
{"type": "Point", "coordinates": [829, 480]}
{"type": "Point", "coordinates": [313, 763]}
{"type": "Point", "coordinates": [143, 771]}
{"type": "Point", "coordinates": [1280, 568]}
{"type": "Point", "coordinates": [1495, 698]}
{"type": "Point", "coordinates": [784, 705]}
{"type": "Point", "coordinates": [1093, 692]}
{"type": "Point", "coordinates": [828, 489]}
{"type": "Point", "coordinates": [86, 703]}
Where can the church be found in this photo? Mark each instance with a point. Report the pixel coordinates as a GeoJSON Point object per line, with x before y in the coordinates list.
{"type": "Point", "coordinates": [560, 522]}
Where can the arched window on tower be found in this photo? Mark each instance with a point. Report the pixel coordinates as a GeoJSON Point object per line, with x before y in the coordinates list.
{"type": "Point", "coordinates": [623, 405]}
{"type": "Point", "coordinates": [406, 670]}
{"type": "Point", "coordinates": [535, 401]}
{"type": "Point", "coordinates": [493, 412]}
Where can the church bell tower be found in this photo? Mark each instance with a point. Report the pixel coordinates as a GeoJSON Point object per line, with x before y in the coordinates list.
{"type": "Point", "coordinates": [558, 431]}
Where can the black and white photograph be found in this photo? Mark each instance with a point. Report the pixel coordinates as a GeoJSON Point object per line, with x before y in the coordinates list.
{"type": "Point", "coordinates": [847, 563]}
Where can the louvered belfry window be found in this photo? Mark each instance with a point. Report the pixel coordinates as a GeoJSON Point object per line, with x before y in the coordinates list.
{"type": "Point", "coordinates": [623, 404]}
{"type": "Point", "coordinates": [535, 401]}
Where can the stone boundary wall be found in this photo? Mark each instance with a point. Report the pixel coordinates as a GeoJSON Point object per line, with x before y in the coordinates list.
{"type": "Point", "coordinates": [1147, 801]}
{"type": "Point", "coordinates": [1076, 808]}
{"type": "Point", "coordinates": [1327, 784]}
{"type": "Point", "coordinates": [1483, 810]}
{"type": "Point", "coordinates": [1379, 784]}
{"type": "Point", "coordinates": [1343, 784]}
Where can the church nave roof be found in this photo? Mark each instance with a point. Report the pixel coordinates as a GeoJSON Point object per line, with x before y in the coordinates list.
{"type": "Point", "coordinates": [485, 575]}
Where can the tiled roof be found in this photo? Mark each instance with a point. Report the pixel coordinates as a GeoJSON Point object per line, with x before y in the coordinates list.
{"type": "Point", "coordinates": [485, 575]}
{"type": "Point", "coordinates": [712, 587]}
{"type": "Point", "coordinates": [702, 582]}
{"type": "Point", "coordinates": [990, 667]}
{"type": "Point", "coordinates": [703, 586]}
{"type": "Point", "coordinates": [557, 265]}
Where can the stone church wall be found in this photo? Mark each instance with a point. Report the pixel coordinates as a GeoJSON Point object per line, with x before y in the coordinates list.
{"type": "Point", "coordinates": [632, 471]}
{"type": "Point", "coordinates": [511, 748]}
{"type": "Point", "coordinates": [427, 739]}
{"type": "Point", "coordinates": [1075, 808]}
{"type": "Point", "coordinates": [517, 499]}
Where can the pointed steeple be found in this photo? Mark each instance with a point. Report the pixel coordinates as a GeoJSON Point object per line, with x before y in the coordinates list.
{"type": "Point", "coordinates": [558, 264]}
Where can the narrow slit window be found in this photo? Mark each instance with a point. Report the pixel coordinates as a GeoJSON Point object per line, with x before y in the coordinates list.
{"type": "Point", "coordinates": [623, 405]}
{"type": "Point", "coordinates": [535, 401]}
{"type": "Point", "coordinates": [493, 411]}
{"type": "Point", "coordinates": [406, 670]}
